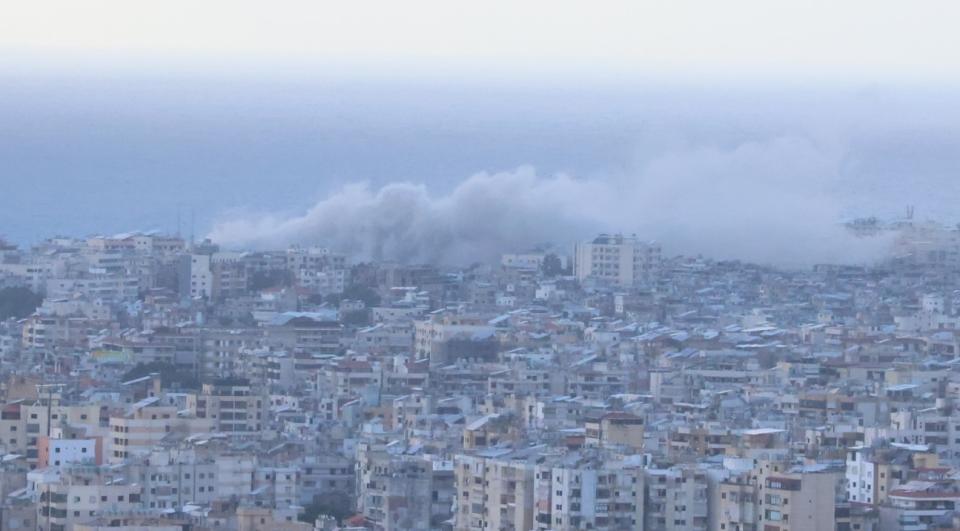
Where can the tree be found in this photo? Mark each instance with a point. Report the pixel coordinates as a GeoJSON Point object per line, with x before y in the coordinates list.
{"type": "Point", "coordinates": [357, 292]}
{"type": "Point", "coordinates": [336, 504]}
{"type": "Point", "coordinates": [552, 266]}
{"type": "Point", "coordinates": [356, 317]}
{"type": "Point", "coordinates": [18, 302]}
{"type": "Point", "coordinates": [274, 278]}
{"type": "Point", "coordinates": [170, 375]}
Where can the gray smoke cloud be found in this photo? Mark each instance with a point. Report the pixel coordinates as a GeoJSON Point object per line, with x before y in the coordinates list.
{"type": "Point", "coordinates": [778, 201]}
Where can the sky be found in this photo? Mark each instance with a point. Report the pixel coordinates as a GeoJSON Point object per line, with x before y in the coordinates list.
{"type": "Point", "coordinates": [855, 38]}
{"type": "Point", "coordinates": [272, 123]}
{"type": "Point", "coordinates": [887, 39]}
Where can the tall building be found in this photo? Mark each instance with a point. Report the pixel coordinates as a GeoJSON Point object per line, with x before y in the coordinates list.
{"type": "Point", "coordinates": [495, 490]}
{"type": "Point", "coordinates": [196, 277]}
{"type": "Point", "coordinates": [676, 499]}
{"type": "Point", "coordinates": [588, 491]}
{"type": "Point", "coordinates": [232, 404]}
{"type": "Point", "coordinates": [403, 492]}
{"type": "Point", "coordinates": [618, 260]}
{"type": "Point", "coordinates": [798, 497]}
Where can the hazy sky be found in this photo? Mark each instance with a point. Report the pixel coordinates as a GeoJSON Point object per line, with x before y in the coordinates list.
{"type": "Point", "coordinates": [882, 39]}
{"type": "Point", "coordinates": [736, 128]}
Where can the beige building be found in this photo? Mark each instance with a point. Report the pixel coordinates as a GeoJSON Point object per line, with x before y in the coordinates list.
{"type": "Point", "coordinates": [495, 490]}
{"type": "Point", "coordinates": [445, 337]}
{"type": "Point", "coordinates": [146, 424]}
{"type": "Point", "coordinates": [615, 429]}
{"type": "Point", "coordinates": [677, 499]}
{"type": "Point", "coordinates": [872, 473]}
{"type": "Point", "coordinates": [618, 260]}
{"type": "Point", "coordinates": [81, 494]}
{"type": "Point", "coordinates": [798, 498]}
{"type": "Point", "coordinates": [585, 491]}
{"type": "Point", "coordinates": [232, 405]}
{"type": "Point", "coordinates": [267, 519]}
{"type": "Point", "coordinates": [400, 492]}
{"type": "Point", "coordinates": [134, 523]}
{"type": "Point", "coordinates": [734, 506]}
{"type": "Point", "coordinates": [23, 424]}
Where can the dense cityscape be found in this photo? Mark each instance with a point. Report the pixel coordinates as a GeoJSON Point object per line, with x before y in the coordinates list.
{"type": "Point", "coordinates": [152, 383]}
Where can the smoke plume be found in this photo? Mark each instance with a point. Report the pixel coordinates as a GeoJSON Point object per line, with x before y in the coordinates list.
{"type": "Point", "coordinates": [777, 201]}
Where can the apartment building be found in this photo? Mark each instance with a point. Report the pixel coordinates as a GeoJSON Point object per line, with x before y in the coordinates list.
{"type": "Point", "coordinates": [82, 493]}
{"type": "Point", "coordinates": [195, 276]}
{"type": "Point", "coordinates": [313, 332]}
{"type": "Point", "coordinates": [317, 269]}
{"type": "Point", "coordinates": [615, 430]}
{"type": "Point", "coordinates": [795, 498]}
{"type": "Point", "coordinates": [61, 451]}
{"type": "Point", "coordinates": [446, 337]}
{"type": "Point", "coordinates": [231, 405]}
{"type": "Point", "coordinates": [734, 506]}
{"type": "Point", "coordinates": [39, 419]}
{"type": "Point", "coordinates": [405, 492]}
{"type": "Point", "coordinates": [677, 499]}
{"type": "Point", "coordinates": [616, 260]}
{"type": "Point", "coordinates": [589, 491]}
{"type": "Point", "coordinates": [873, 472]}
{"type": "Point", "coordinates": [495, 490]}
{"type": "Point", "coordinates": [924, 504]}
{"type": "Point", "coordinates": [148, 423]}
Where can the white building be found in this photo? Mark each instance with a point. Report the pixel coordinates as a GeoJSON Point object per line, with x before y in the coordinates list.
{"type": "Point", "coordinates": [63, 452]}
{"type": "Point", "coordinates": [618, 260]}
{"type": "Point", "coordinates": [196, 276]}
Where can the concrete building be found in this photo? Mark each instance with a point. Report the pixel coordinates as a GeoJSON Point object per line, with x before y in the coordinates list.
{"type": "Point", "coordinates": [146, 424]}
{"type": "Point", "coordinates": [589, 491]}
{"type": "Point", "coordinates": [230, 405]}
{"type": "Point", "coordinates": [677, 499]}
{"type": "Point", "coordinates": [495, 490]}
{"type": "Point", "coordinates": [795, 498]}
{"type": "Point", "coordinates": [616, 260]}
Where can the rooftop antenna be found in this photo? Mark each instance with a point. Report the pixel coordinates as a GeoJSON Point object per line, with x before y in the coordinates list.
{"type": "Point", "coordinates": [910, 212]}
{"type": "Point", "coordinates": [193, 219]}
{"type": "Point", "coordinates": [178, 221]}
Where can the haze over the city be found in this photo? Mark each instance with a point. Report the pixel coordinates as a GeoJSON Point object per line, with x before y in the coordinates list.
{"type": "Point", "coordinates": [256, 131]}
{"type": "Point", "coordinates": [430, 265]}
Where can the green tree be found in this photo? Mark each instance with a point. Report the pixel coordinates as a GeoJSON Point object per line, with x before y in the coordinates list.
{"type": "Point", "coordinates": [18, 302]}
{"type": "Point", "coordinates": [356, 317]}
{"type": "Point", "coordinates": [336, 504]}
{"type": "Point", "coordinates": [170, 375]}
{"type": "Point", "coordinates": [357, 292]}
{"type": "Point", "coordinates": [552, 266]}
{"type": "Point", "coordinates": [261, 280]}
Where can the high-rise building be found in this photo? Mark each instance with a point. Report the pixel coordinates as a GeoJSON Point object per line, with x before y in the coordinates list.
{"type": "Point", "coordinates": [617, 260]}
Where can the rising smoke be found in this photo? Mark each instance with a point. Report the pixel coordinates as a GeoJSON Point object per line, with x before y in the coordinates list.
{"type": "Point", "coordinates": [774, 201]}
